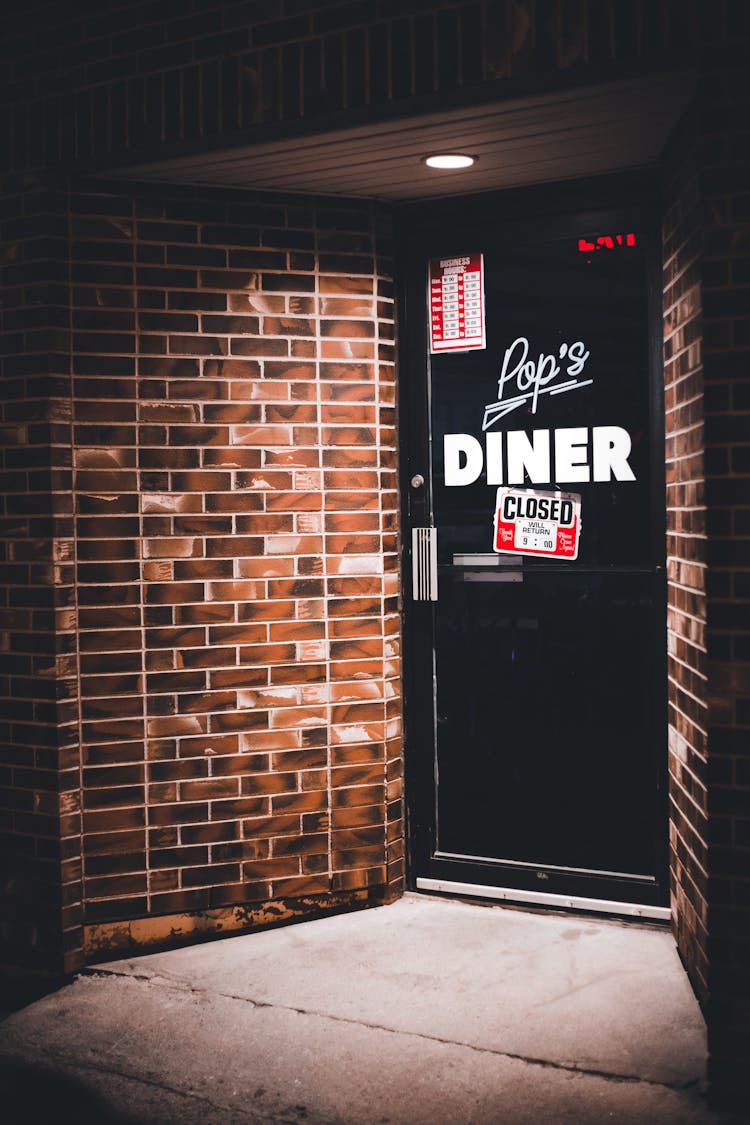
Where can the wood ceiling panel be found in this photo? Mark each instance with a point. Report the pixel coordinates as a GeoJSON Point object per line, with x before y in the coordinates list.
{"type": "Point", "coordinates": [589, 131]}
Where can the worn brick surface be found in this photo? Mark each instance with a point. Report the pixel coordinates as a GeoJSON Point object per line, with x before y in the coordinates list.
{"type": "Point", "coordinates": [200, 608]}
{"type": "Point", "coordinates": [237, 550]}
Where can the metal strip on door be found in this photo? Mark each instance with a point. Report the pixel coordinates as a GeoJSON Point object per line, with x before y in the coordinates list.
{"type": "Point", "coordinates": [424, 564]}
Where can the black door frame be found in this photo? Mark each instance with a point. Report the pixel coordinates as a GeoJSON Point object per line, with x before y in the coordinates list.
{"type": "Point", "coordinates": [416, 226]}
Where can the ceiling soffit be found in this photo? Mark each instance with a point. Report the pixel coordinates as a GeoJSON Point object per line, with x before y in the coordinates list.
{"type": "Point", "coordinates": [584, 132]}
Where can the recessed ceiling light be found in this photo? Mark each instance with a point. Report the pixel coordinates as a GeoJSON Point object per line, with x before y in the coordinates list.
{"type": "Point", "coordinates": [449, 160]}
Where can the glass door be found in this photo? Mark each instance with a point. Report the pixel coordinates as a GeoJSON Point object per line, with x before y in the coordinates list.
{"type": "Point", "coordinates": [536, 728]}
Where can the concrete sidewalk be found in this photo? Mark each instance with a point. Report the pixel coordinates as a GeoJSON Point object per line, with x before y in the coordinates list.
{"type": "Point", "coordinates": [425, 1011]}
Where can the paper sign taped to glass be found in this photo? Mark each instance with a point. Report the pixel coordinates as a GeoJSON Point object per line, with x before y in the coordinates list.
{"type": "Point", "coordinates": [530, 522]}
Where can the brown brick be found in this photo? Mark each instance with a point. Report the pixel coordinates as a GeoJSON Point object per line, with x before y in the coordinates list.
{"type": "Point", "coordinates": [270, 868]}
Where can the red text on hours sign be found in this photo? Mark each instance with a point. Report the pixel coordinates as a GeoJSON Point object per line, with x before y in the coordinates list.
{"type": "Point", "coordinates": [456, 303]}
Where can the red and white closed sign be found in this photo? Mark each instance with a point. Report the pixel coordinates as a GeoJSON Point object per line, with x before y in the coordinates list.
{"type": "Point", "coordinates": [528, 522]}
{"type": "Point", "coordinates": [457, 303]}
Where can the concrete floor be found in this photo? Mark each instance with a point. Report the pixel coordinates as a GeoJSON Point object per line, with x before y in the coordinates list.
{"type": "Point", "coordinates": [426, 1011]}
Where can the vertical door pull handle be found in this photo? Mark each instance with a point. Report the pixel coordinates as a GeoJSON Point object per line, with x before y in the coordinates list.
{"type": "Point", "coordinates": [424, 564]}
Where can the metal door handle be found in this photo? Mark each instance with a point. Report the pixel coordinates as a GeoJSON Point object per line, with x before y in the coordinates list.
{"type": "Point", "coordinates": [487, 567]}
{"type": "Point", "coordinates": [424, 564]}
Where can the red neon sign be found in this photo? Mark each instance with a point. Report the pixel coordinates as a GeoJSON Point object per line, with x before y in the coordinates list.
{"type": "Point", "coordinates": [605, 242]}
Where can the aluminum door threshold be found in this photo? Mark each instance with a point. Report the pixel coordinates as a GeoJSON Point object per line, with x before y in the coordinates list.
{"type": "Point", "coordinates": [539, 898]}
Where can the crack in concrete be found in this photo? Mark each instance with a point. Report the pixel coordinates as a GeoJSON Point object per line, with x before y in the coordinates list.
{"type": "Point", "coordinates": [530, 1060]}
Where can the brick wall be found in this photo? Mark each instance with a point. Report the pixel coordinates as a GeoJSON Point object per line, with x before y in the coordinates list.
{"type": "Point", "coordinates": [234, 446]}
{"type": "Point", "coordinates": [707, 343]}
{"type": "Point", "coordinates": [40, 889]}
{"type": "Point", "coordinates": [723, 179]}
{"type": "Point", "coordinates": [686, 553]}
{"type": "Point", "coordinates": [84, 81]}
{"type": "Point", "coordinates": [232, 571]}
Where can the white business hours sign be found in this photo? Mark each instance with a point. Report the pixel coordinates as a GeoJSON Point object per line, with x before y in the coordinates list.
{"type": "Point", "coordinates": [456, 299]}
